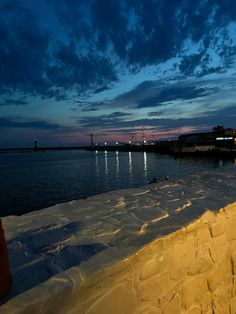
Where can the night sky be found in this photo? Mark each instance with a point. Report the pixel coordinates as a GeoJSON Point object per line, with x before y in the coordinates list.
{"type": "Point", "coordinates": [114, 67]}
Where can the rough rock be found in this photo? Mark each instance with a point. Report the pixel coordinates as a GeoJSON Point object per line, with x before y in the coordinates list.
{"type": "Point", "coordinates": [190, 271]}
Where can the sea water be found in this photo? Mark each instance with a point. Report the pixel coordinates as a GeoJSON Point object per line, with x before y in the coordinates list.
{"type": "Point", "coordinates": [31, 181]}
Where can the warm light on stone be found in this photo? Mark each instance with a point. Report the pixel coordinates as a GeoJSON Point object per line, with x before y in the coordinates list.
{"type": "Point", "coordinates": [192, 273]}
{"type": "Point", "coordinates": [189, 271]}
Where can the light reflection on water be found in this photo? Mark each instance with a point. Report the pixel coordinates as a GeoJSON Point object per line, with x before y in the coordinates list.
{"type": "Point", "coordinates": [145, 168]}
{"type": "Point", "coordinates": [37, 180]}
{"type": "Point", "coordinates": [106, 164]}
{"type": "Point", "coordinates": [117, 166]}
{"type": "Point", "coordinates": [96, 163]}
{"type": "Point", "coordinates": [130, 167]}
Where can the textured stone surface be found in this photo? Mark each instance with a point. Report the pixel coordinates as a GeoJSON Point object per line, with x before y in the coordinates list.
{"type": "Point", "coordinates": [195, 309]}
{"type": "Point", "coordinates": [233, 305]}
{"type": "Point", "coordinates": [174, 306]}
{"type": "Point", "coordinates": [230, 229]}
{"type": "Point", "coordinates": [216, 229]}
{"type": "Point", "coordinates": [219, 247]}
{"type": "Point", "coordinates": [191, 271]}
{"type": "Point", "coordinates": [193, 291]}
{"type": "Point", "coordinates": [121, 292]}
{"type": "Point", "coordinates": [202, 260]}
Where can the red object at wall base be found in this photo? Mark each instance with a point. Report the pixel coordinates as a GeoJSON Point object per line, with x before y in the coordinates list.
{"type": "Point", "coordinates": [5, 277]}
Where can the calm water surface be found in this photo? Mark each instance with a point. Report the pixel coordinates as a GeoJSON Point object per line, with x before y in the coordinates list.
{"type": "Point", "coordinates": [32, 181]}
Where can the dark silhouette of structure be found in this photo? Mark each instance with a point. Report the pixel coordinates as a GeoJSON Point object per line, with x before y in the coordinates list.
{"type": "Point", "coordinates": [91, 140]}
{"type": "Point", "coordinates": [35, 144]}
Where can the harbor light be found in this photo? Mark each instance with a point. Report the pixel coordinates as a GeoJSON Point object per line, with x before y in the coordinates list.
{"type": "Point", "coordinates": [224, 138]}
{"type": "Point", "coordinates": [117, 143]}
{"type": "Point", "coordinates": [105, 143]}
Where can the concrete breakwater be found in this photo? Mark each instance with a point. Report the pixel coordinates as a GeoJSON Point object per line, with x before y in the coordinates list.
{"type": "Point", "coordinates": [190, 271]}
{"type": "Point", "coordinates": [117, 253]}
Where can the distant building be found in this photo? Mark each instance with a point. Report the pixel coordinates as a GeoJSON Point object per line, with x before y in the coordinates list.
{"type": "Point", "coordinates": [219, 137]}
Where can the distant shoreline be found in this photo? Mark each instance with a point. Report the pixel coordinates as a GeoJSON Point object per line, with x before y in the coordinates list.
{"type": "Point", "coordinates": [40, 149]}
{"type": "Point", "coordinates": [227, 153]}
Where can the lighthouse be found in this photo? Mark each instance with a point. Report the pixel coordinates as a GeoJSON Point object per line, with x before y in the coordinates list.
{"type": "Point", "coordinates": [35, 144]}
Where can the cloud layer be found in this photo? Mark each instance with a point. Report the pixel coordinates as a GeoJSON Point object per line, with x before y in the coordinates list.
{"type": "Point", "coordinates": [98, 63]}
{"type": "Point", "coordinates": [100, 35]}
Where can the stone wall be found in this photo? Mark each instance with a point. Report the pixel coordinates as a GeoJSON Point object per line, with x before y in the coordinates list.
{"type": "Point", "coordinates": [190, 271]}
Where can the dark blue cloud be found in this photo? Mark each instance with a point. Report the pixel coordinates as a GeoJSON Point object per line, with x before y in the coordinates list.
{"type": "Point", "coordinates": [150, 94]}
{"type": "Point", "coordinates": [100, 89]}
{"type": "Point", "coordinates": [79, 72]}
{"type": "Point", "coordinates": [226, 9]}
{"type": "Point", "coordinates": [23, 50]}
{"type": "Point", "coordinates": [32, 63]}
{"type": "Point", "coordinates": [13, 123]}
{"type": "Point", "coordinates": [173, 93]}
{"type": "Point", "coordinates": [109, 120]}
{"type": "Point", "coordinates": [92, 37]}
{"type": "Point", "coordinates": [87, 109]}
{"type": "Point", "coordinates": [132, 97]}
{"type": "Point", "coordinates": [14, 102]}
{"type": "Point", "coordinates": [110, 21]}
{"type": "Point", "coordinates": [225, 116]}
{"type": "Point", "coordinates": [118, 114]}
